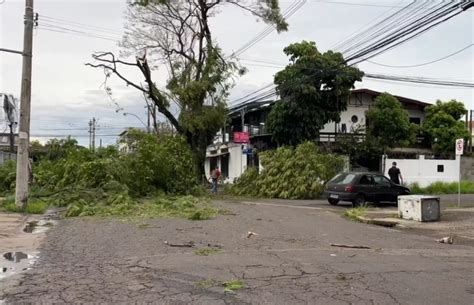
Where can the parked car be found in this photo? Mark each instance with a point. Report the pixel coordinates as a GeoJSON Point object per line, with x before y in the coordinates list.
{"type": "Point", "coordinates": [360, 187]}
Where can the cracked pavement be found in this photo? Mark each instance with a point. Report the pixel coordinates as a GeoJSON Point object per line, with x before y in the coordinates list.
{"type": "Point", "coordinates": [290, 261]}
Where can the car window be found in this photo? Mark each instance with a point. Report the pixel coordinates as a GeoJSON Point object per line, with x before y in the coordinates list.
{"type": "Point", "coordinates": [343, 179]}
{"type": "Point", "coordinates": [381, 180]}
{"type": "Point", "coordinates": [366, 180]}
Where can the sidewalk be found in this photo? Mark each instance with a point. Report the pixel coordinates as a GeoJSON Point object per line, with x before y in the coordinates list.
{"type": "Point", "coordinates": [455, 222]}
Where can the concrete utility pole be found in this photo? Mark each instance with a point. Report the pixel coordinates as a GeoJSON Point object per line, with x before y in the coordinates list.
{"type": "Point", "coordinates": [90, 134]}
{"type": "Point", "coordinates": [22, 168]}
{"type": "Point", "coordinates": [93, 133]}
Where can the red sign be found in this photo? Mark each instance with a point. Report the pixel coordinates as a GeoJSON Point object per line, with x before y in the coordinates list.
{"type": "Point", "coordinates": [241, 137]}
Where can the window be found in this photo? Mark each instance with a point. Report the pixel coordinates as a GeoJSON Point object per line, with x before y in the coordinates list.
{"type": "Point", "coordinates": [343, 179]}
{"type": "Point", "coordinates": [366, 180]}
{"type": "Point", "coordinates": [440, 168]}
{"type": "Point", "coordinates": [381, 180]}
{"type": "Point", "coordinates": [354, 119]}
{"type": "Point", "coordinates": [416, 121]}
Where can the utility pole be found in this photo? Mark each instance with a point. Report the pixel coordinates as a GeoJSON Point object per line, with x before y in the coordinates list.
{"type": "Point", "coordinates": [93, 133]}
{"type": "Point", "coordinates": [90, 134]}
{"type": "Point", "coordinates": [148, 118]}
{"type": "Point", "coordinates": [23, 168]}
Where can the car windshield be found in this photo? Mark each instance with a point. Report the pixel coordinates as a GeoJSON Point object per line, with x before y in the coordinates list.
{"type": "Point", "coordinates": [343, 179]}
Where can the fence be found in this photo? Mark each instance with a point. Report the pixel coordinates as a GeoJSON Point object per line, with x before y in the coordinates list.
{"type": "Point", "coordinates": [4, 157]}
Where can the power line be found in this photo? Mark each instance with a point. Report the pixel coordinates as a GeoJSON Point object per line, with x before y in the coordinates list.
{"type": "Point", "coordinates": [77, 24]}
{"type": "Point", "coordinates": [423, 64]}
{"type": "Point", "coordinates": [355, 4]}
{"type": "Point", "coordinates": [405, 24]}
{"type": "Point", "coordinates": [269, 29]}
{"type": "Point", "coordinates": [76, 34]}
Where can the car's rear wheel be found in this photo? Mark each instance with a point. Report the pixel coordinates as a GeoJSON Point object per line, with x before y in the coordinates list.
{"type": "Point", "coordinates": [359, 201]}
{"type": "Point", "coordinates": [333, 201]}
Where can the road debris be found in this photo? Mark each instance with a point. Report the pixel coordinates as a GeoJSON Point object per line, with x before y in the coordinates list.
{"type": "Point", "coordinates": [446, 240]}
{"type": "Point", "coordinates": [185, 245]}
{"type": "Point", "coordinates": [350, 246]}
{"type": "Point", "coordinates": [250, 234]}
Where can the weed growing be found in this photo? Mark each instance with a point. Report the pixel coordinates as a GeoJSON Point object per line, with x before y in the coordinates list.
{"type": "Point", "coordinates": [355, 213]}
{"type": "Point", "coordinates": [232, 286]}
{"type": "Point", "coordinates": [206, 284]}
{"type": "Point", "coordinates": [206, 251]}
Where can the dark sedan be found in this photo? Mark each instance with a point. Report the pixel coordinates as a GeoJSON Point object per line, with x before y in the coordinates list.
{"type": "Point", "coordinates": [359, 188]}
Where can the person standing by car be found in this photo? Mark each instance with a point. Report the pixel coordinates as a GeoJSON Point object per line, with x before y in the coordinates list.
{"type": "Point", "coordinates": [395, 174]}
{"type": "Point", "coordinates": [215, 174]}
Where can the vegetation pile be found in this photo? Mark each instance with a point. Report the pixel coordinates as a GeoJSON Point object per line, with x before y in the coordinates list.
{"type": "Point", "coordinates": [150, 180]}
{"type": "Point", "coordinates": [290, 173]}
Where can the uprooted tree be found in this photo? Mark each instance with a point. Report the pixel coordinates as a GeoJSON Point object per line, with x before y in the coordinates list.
{"type": "Point", "coordinates": [176, 35]}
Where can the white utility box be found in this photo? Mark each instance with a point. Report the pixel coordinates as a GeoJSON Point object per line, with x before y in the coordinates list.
{"type": "Point", "coordinates": [419, 208]}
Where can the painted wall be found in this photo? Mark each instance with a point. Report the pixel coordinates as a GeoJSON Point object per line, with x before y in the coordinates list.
{"type": "Point", "coordinates": [425, 171]}
{"type": "Point", "coordinates": [358, 106]}
{"type": "Point", "coordinates": [237, 160]}
{"type": "Point", "coordinates": [467, 168]}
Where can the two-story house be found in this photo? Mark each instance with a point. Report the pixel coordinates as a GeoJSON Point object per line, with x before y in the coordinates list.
{"type": "Point", "coordinates": [233, 155]}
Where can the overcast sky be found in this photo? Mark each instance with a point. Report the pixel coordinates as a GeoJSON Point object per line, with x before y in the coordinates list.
{"type": "Point", "coordinates": [66, 94]}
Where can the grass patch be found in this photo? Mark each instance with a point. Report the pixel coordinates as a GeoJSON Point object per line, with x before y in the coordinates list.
{"type": "Point", "coordinates": [33, 207]}
{"type": "Point", "coordinates": [206, 251]}
{"type": "Point", "coordinates": [232, 286]}
{"type": "Point", "coordinates": [441, 188]}
{"type": "Point", "coordinates": [206, 284]}
{"type": "Point", "coordinates": [355, 213]}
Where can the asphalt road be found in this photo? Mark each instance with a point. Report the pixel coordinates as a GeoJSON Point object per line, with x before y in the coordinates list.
{"type": "Point", "coordinates": [289, 261]}
{"type": "Point", "coordinates": [467, 200]}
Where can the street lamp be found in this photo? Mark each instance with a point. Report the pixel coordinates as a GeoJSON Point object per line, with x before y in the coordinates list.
{"type": "Point", "coordinates": [132, 114]}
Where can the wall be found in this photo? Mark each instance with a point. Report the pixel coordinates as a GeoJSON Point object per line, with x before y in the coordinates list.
{"type": "Point", "coordinates": [425, 171]}
{"type": "Point", "coordinates": [467, 168]}
{"type": "Point", "coordinates": [237, 160]}
{"type": "Point", "coordinates": [358, 105]}
{"type": "Point", "coordinates": [4, 157]}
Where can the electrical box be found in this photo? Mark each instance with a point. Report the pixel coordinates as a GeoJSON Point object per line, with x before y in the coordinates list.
{"type": "Point", "coordinates": [419, 208]}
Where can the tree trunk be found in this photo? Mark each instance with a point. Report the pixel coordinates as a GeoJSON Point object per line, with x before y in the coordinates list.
{"type": "Point", "coordinates": [198, 143]}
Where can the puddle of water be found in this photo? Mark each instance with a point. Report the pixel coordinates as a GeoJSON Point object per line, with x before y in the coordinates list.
{"type": "Point", "coordinates": [15, 256]}
{"type": "Point", "coordinates": [41, 226]}
{"type": "Point", "coordinates": [16, 262]}
{"type": "Point", "coordinates": [30, 226]}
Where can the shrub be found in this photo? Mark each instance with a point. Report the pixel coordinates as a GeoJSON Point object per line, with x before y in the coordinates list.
{"type": "Point", "coordinates": [440, 188]}
{"type": "Point", "coordinates": [289, 173]}
{"type": "Point", "coordinates": [7, 176]}
{"type": "Point", "coordinates": [163, 164]}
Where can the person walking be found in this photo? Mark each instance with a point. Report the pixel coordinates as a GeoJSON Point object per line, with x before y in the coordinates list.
{"type": "Point", "coordinates": [395, 174]}
{"type": "Point", "coordinates": [215, 174]}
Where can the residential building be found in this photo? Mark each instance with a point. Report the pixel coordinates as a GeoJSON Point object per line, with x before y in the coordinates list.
{"type": "Point", "coordinates": [233, 158]}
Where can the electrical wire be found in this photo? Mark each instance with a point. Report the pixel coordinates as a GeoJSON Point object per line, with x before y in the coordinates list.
{"type": "Point", "coordinates": [80, 25]}
{"type": "Point", "coordinates": [76, 34]}
{"type": "Point", "coordinates": [405, 24]}
{"type": "Point", "coordinates": [297, 5]}
{"type": "Point", "coordinates": [426, 63]}
{"type": "Point", "coordinates": [355, 4]}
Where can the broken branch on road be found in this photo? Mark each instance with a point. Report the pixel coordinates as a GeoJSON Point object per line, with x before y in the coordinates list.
{"type": "Point", "coordinates": [350, 246]}
{"type": "Point", "coordinates": [185, 245]}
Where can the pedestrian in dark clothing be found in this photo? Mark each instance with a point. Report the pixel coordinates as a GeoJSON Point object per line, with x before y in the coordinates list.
{"type": "Point", "coordinates": [395, 174]}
